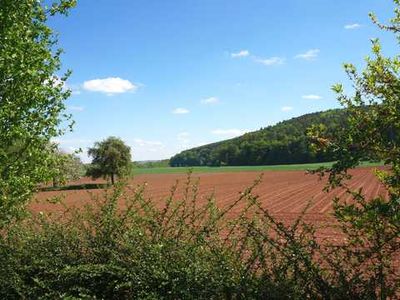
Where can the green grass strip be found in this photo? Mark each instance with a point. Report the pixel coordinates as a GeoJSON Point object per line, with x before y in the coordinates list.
{"type": "Point", "coordinates": [293, 167]}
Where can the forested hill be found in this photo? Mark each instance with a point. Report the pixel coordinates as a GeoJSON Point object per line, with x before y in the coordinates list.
{"type": "Point", "coordinates": [283, 143]}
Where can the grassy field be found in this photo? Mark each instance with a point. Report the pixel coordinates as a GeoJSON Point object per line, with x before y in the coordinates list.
{"type": "Point", "coordinates": [293, 167]}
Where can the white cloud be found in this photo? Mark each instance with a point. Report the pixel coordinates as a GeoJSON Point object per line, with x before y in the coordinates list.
{"type": "Point", "coordinates": [271, 61]}
{"type": "Point", "coordinates": [228, 132]}
{"type": "Point", "coordinates": [75, 89]}
{"type": "Point", "coordinates": [210, 100]}
{"type": "Point", "coordinates": [180, 111]}
{"type": "Point", "coordinates": [75, 92]}
{"type": "Point", "coordinates": [147, 149]}
{"type": "Point", "coordinates": [111, 85]}
{"type": "Point", "coordinates": [308, 55]}
{"type": "Point", "coordinates": [242, 53]}
{"type": "Point", "coordinates": [311, 97]}
{"type": "Point", "coordinates": [184, 140]}
{"type": "Point", "coordinates": [352, 26]}
{"type": "Point", "coordinates": [144, 143]}
{"type": "Point", "coordinates": [183, 135]}
{"type": "Point", "coordinates": [76, 108]}
{"type": "Point", "coordinates": [286, 108]}
{"type": "Point", "coordinates": [72, 141]}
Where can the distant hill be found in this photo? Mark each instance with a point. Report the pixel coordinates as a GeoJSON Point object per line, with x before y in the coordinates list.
{"type": "Point", "coordinates": [283, 143]}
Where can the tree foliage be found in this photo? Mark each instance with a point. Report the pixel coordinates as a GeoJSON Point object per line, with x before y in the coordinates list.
{"type": "Point", "coordinates": [372, 225]}
{"type": "Point", "coordinates": [111, 158]}
{"type": "Point", "coordinates": [285, 142]}
{"type": "Point", "coordinates": [164, 163]}
{"type": "Point", "coordinates": [67, 167]}
{"type": "Point", "coordinates": [31, 99]}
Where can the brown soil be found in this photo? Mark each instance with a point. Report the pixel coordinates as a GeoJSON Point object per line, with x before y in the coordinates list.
{"type": "Point", "coordinates": [284, 193]}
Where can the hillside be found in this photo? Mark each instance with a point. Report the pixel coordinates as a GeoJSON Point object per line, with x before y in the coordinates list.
{"type": "Point", "coordinates": [283, 143]}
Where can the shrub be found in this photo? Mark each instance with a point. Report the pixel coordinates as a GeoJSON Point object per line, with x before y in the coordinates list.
{"type": "Point", "coordinates": [125, 246]}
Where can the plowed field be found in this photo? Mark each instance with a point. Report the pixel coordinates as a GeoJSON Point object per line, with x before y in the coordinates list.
{"type": "Point", "coordinates": [284, 193]}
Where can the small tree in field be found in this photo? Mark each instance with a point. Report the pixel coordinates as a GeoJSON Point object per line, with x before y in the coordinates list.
{"type": "Point", "coordinates": [111, 158]}
{"type": "Point", "coordinates": [67, 167]}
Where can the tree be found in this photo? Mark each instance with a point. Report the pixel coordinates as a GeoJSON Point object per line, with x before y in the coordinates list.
{"type": "Point", "coordinates": [68, 167]}
{"type": "Point", "coordinates": [111, 158]}
{"type": "Point", "coordinates": [371, 225]}
{"type": "Point", "coordinates": [31, 99]}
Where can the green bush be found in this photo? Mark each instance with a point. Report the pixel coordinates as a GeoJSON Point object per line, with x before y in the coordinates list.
{"type": "Point", "coordinates": [126, 246]}
{"type": "Point", "coordinates": [105, 253]}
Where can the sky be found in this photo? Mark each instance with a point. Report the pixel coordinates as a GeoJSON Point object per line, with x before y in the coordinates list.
{"type": "Point", "coordinates": [165, 76]}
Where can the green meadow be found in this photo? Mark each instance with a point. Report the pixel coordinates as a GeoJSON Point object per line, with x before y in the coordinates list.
{"type": "Point", "coordinates": [292, 167]}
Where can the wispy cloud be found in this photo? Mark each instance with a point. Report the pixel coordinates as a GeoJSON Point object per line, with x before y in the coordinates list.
{"type": "Point", "coordinates": [76, 108]}
{"type": "Point", "coordinates": [76, 92]}
{"type": "Point", "coordinates": [183, 140]}
{"type": "Point", "coordinates": [144, 143]}
{"type": "Point", "coordinates": [228, 132]}
{"type": "Point", "coordinates": [270, 61]}
{"type": "Point", "coordinates": [241, 53]}
{"type": "Point", "coordinates": [183, 135]}
{"type": "Point", "coordinates": [311, 97]}
{"type": "Point", "coordinates": [72, 141]}
{"type": "Point", "coordinates": [75, 89]}
{"type": "Point", "coordinates": [110, 86]}
{"type": "Point", "coordinates": [308, 55]}
{"type": "Point", "coordinates": [180, 111]}
{"type": "Point", "coordinates": [210, 100]}
{"type": "Point", "coordinates": [142, 148]}
{"type": "Point", "coordinates": [73, 145]}
{"type": "Point", "coordinates": [286, 108]}
{"type": "Point", "coordinates": [352, 26]}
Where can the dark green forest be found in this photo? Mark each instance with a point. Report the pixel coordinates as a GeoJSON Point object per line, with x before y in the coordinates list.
{"type": "Point", "coordinates": [283, 143]}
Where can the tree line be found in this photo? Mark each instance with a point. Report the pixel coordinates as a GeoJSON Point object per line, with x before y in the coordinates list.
{"type": "Point", "coordinates": [283, 143]}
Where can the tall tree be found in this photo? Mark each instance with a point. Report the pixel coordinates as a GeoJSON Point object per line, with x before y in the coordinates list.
{"type": "Point", "coordinates": [111, 158]}
{"type": "Point", "coordinates": [31, 99]}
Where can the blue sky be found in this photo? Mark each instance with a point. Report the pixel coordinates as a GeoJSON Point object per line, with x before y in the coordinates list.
{"type": "Point", "coordinates": [170, 75]}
